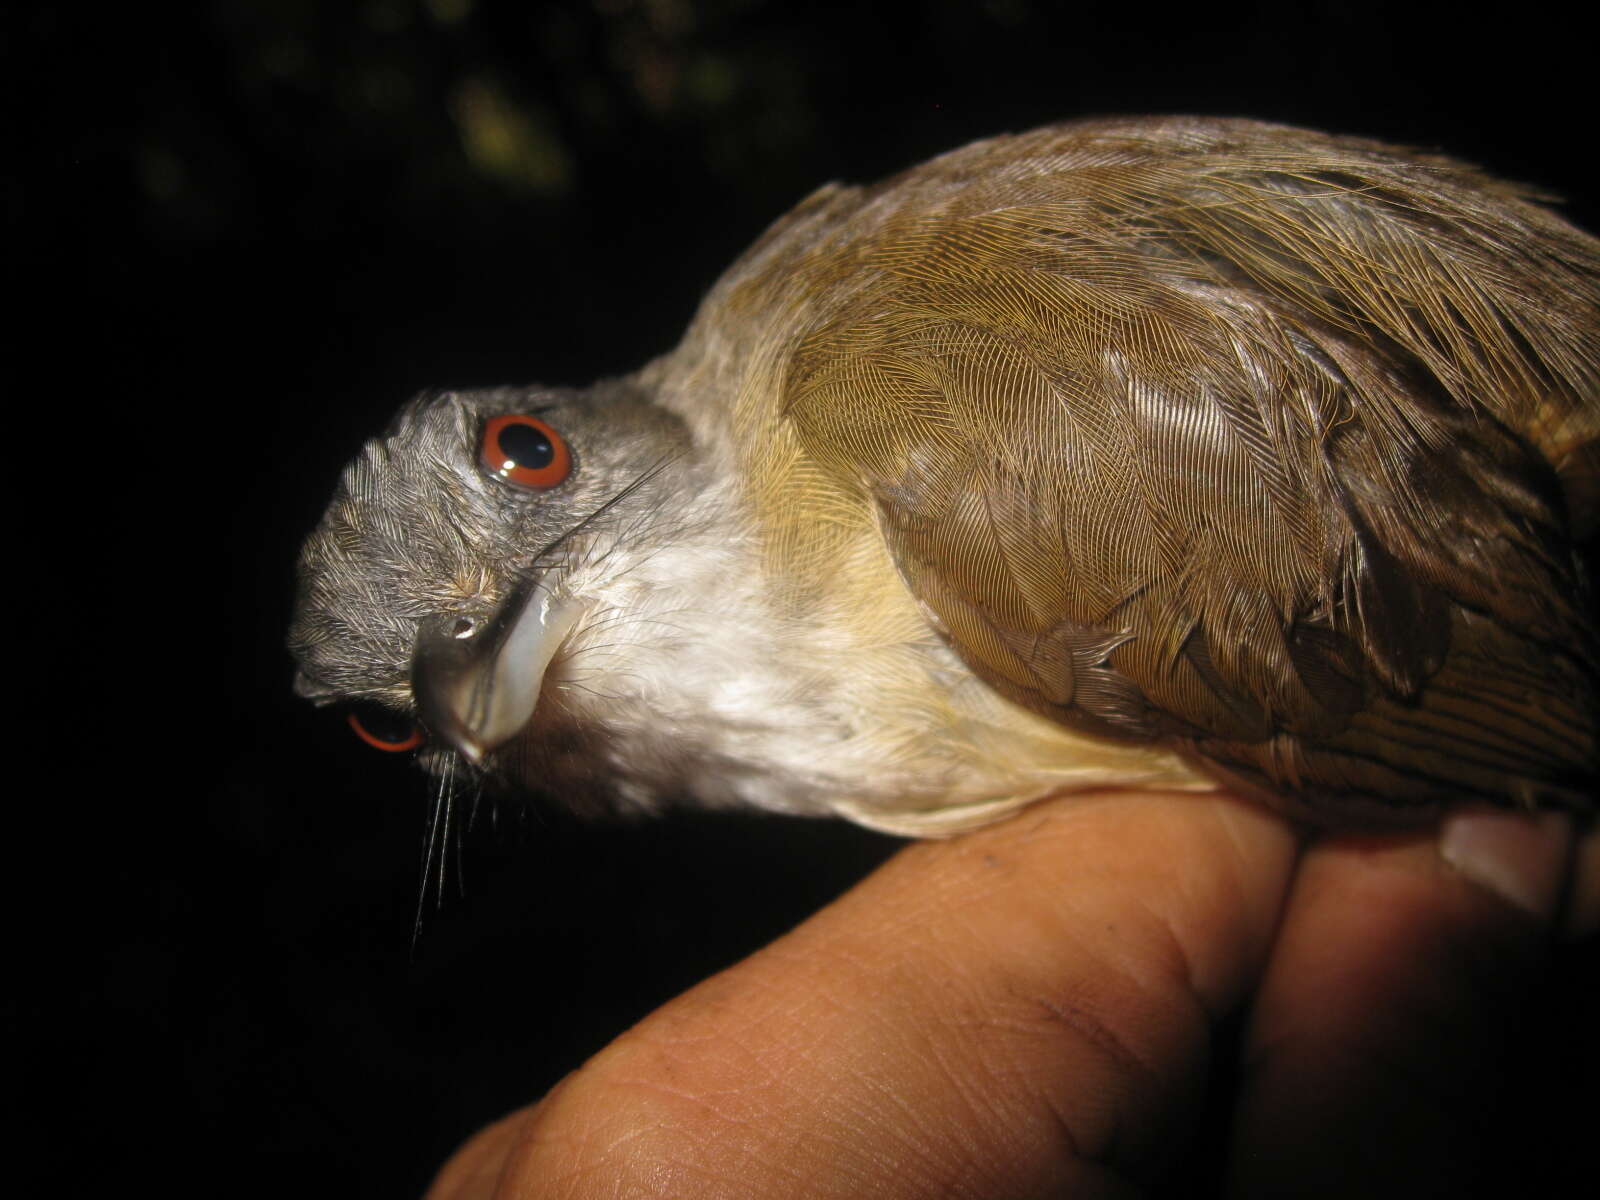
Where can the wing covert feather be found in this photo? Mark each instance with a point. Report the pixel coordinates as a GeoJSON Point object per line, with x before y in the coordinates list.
{"type": "Point", "coordinates": [1257, 439]}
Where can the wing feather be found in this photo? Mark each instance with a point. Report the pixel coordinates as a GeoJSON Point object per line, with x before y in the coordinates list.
{"type": "Point", "coordinates": [1267, 441]}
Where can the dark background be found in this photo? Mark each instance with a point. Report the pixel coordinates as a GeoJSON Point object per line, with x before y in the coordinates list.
{"type": "Point", "coordinates": [246, 231]}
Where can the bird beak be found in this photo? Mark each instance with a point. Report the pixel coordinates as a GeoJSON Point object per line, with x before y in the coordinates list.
{"type": "Point", "coordinates": [476, 683]}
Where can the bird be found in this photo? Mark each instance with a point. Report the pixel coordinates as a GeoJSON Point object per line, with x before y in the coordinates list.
{"type": "Point", "coordinates": [1147, 452]}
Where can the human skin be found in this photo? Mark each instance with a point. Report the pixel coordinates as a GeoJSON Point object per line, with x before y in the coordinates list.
{"type": "Point", "coordinates": [1031, 1010]}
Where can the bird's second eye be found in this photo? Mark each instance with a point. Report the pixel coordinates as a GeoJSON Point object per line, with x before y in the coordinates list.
{"type": "Point", "coordinates": [383, 729]}
{"type": "Point", "coordinates": [525, 452]}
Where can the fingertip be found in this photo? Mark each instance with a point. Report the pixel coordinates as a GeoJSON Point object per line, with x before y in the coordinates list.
{"type": "Point", "coordinates": [1581, 918]}
{"type": "Point", "coordinates": [1377, 1044]}
{"type": "Point", "coordinates": [1523, 858]}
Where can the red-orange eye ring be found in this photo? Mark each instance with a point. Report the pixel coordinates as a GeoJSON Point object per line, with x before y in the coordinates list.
{"type": "Point", "coordinates": [525, 452]}
{"type": "Point", "coordinates": [390, 733]}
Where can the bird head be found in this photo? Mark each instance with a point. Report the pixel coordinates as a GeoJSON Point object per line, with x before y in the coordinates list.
{"type": "Point", "coordinates": [466, 546]}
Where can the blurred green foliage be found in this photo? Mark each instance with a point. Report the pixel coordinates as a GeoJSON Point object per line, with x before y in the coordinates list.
{"type": "Point", "coordinates": [455, 115]}
{"type": "Point", "coordinates": [430, 108]}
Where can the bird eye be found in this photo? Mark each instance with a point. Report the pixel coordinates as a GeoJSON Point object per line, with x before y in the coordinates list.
{"type": "Point", "coordinates": [525, 452]}
{"type": "Point", "coordinates": [383, 729]}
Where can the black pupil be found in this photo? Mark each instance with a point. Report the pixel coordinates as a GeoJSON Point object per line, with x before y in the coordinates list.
{"type": "Point", "coordinates": [526, 446]}
{"type": "Point", "coordinates": [384, 723]}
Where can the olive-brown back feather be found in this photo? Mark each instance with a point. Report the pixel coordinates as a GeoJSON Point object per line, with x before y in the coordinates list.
{"type": "Point", "coordinates": [1266, 441]}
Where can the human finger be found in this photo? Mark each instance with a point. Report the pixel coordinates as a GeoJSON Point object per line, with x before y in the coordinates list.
{"type": "Point", "coordinates": [1375, 1039]}
{"type": "Point", "coordinates": [1023, 1011]}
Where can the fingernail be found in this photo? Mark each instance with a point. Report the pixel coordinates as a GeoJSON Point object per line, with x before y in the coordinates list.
{"type": "Point", "coordinates": [1520, 857]}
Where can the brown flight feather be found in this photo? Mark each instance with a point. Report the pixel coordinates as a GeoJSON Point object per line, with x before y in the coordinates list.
{"type": "Point", "coordinates": [1267, 442]}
